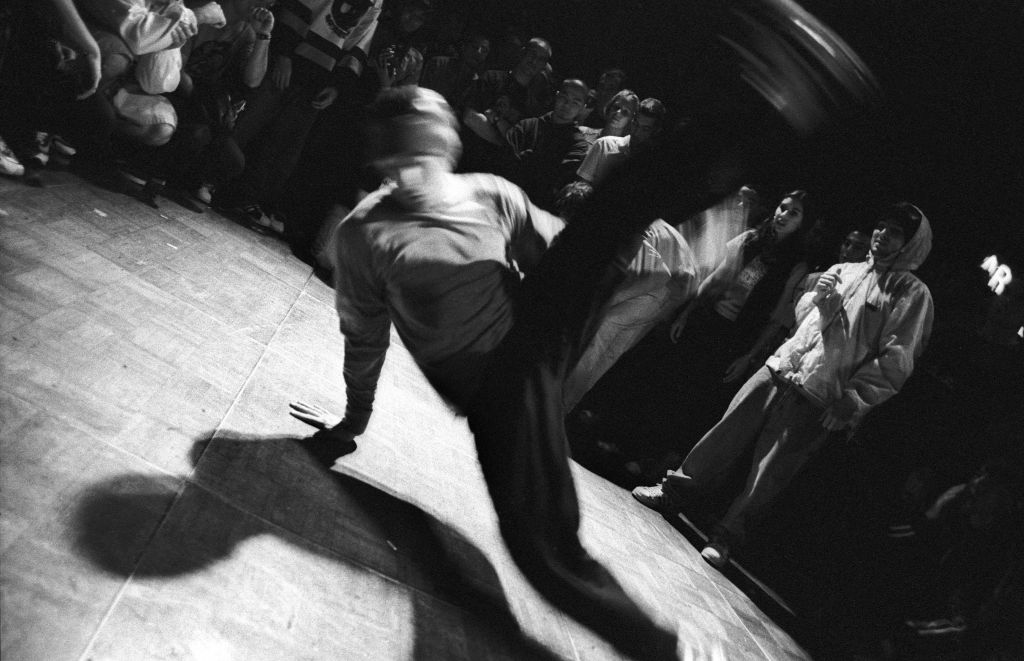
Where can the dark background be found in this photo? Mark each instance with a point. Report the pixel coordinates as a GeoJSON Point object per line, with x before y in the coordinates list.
{"type": "Point", "coordinates": [949, 136]}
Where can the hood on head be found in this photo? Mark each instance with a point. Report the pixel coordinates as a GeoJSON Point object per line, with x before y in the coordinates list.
{"type": "Point", "coordinates": [916, 250]}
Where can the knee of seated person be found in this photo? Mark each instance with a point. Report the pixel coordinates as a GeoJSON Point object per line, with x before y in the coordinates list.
{"type": "Point", "coordinates": [157, 135]}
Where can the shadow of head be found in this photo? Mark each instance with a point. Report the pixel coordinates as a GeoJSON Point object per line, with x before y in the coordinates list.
{"type": "Point", "coordinates": [158, 525]}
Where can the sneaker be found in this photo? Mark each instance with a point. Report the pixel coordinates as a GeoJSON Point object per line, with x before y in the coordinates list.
{"type": "Point", "coordinates": [204, 193]}
{"type": "Point", "coordinates": [716, 554]}
{"type": "Point", "coordinates": [59, 146]}
{"type": "Point", "coordinates": [9, 163]}
{"type": "Point", "coordinates": [41, 148]}
{"type": "Point", "coordinates": [267, 222]}
{"type": "Point", "coordinates": [251, 213]}
{"type": "Point", "coordinates": [655, 497]}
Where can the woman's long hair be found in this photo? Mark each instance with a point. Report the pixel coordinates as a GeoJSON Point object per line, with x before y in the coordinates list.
{"type": "Point", "coordinates": [779, 257]}
{"type": "Point", "coordinates": [765, 243]}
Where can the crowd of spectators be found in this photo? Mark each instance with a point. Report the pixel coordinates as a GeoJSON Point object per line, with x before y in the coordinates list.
{"type": "Point", "coordinates": [258, 110]}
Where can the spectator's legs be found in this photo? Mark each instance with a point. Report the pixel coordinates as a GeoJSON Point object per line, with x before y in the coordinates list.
{"type": "Point", "coordinates": [282, 145]}
{"type": "Point", "coordinates": [282, 120]}
{"type": "Point", "coordinates": [259, 114]}
{"type": "Point", "coordinates": [792, 433]}
{"type": "Point", "coordinates": [222, 161]}
{"type": "Point", "coordinates": [712, 458]}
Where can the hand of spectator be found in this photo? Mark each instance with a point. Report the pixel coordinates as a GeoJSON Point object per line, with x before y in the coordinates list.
{"type": "Point", "coordinates": [184, 30]}
{"type": "Point", "coordinates": [512, 116]}
{"type": "Point", "coordinates": [262, 20]}
{"type": "Point", "coordinates": [839, 414]}
{"type": "Point", "coordinates": [210, 14]}
{"type": "Point", "coordinates": [676, 330]}
{"type": "Point", "coordinates": [826, 286]}
{"type": "Point", "coordinates": [281, 73]}
{"type": "Point", "coordinates": [738, 369]}
{"type": "Point", "coordinates": [92, 75]}
{"type": "Point", "coordinates": [380, 65]}
{"type": "Point", "coordinates": [325, 97]}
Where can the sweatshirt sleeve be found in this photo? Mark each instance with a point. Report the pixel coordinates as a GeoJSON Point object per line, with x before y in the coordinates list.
{"type": "Point", "coordinates": [142, 29]}
{"type": "Point", "coordinates": [904, 335]}
{"type": "Point", "coordinates": [364, 321]}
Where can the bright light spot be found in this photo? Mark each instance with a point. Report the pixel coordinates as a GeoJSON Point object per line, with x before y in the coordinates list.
{"type": "Point", "coordinates": [1000, 275]}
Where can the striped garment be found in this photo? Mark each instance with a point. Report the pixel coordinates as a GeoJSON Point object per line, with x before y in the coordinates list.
{"type": "Point", "coordinates": [333, 34]}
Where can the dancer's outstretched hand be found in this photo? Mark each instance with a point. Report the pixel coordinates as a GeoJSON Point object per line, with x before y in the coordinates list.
{"type": "Point", "coordinates": [313, 415]}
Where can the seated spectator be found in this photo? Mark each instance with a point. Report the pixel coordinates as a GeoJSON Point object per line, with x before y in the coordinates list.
{"type": "Point", "coordinates": [547, 150]}
{"type": "Point", "coordinates": [611, 150]}
{"type": "Point", "coordinates": [620, 116]}
{"type": "Point", "coordinates": [49, 74]}
{"type": "Point", "coordinates": [454, 77]}
{"type": "Point", "coordinates": [823, 380]}
{"type": "Point", "coordinates": [609, 83]}
{"type": "Point", "coordinates": [141, 44]}
{"type": "Point", "coordinates": [650, 122]}
{"type": "Point", "coordinates": [392, 55]}
{"type": "Point", "coordinates": [223, 65]}
{"type": "Point", "coordinates": [318, 50]}
{"type": "Point", "coordinates": [499, 99]}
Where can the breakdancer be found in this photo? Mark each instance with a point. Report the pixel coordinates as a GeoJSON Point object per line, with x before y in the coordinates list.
{"type": "Point", "coordinates": [439, 256]}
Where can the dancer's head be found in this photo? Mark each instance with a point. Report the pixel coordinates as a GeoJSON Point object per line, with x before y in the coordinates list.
{"type": "Point", "coordinates": [412, 137]}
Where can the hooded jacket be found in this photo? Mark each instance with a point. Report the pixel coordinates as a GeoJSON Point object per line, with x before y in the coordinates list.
{"type": "Point", "coordinates": [862, 341]}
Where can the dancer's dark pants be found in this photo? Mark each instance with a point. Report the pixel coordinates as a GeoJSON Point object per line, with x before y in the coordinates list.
{"type": "Point", "coordinates": [517, 415]}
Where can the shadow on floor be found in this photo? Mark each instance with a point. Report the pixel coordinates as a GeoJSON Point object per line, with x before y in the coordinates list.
{"type": "Point", "coordinates": [117, 521]}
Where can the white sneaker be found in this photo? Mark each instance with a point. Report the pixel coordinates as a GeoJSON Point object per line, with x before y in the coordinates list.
{"type": "Point", "coordinates": [42, 148]}
{"type": "Point", "coordinates": [716, 554]}
{"type": "Point", "coordinates": [204, 193]}
{"type": "Point", "coordinates": [9, 163]}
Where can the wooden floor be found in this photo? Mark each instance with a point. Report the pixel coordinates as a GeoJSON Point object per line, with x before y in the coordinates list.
{"type": "Point", "coordinates": [158, 503]}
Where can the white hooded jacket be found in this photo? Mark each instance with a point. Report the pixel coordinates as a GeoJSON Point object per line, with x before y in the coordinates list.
{"type": "Point", "coordinates": [864, 339]}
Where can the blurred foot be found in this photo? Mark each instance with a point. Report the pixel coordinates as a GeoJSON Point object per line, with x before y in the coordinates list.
{"type": "Point", "coordinates": [9, 163]}
{"type": "Point", "coordinates": [716, 554]}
